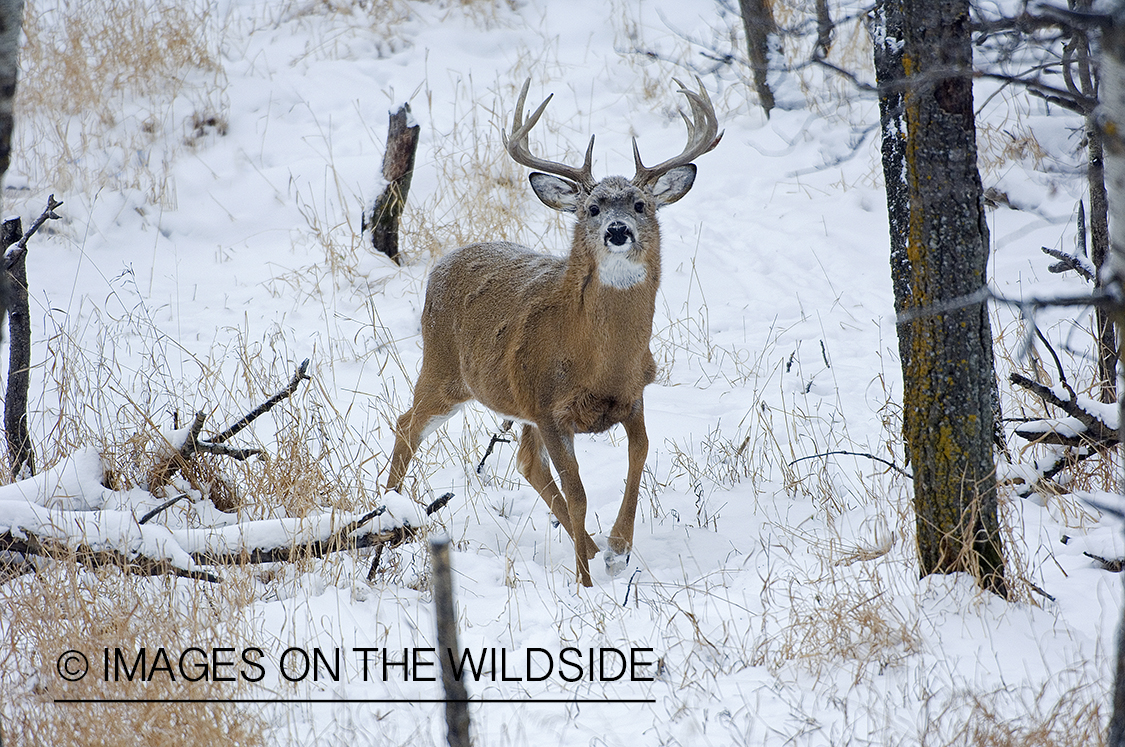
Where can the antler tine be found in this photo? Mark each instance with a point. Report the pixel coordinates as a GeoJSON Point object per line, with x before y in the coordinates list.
{"type": "Point", "coordinates": [703, 135]}
{"type": "Point", "coordinates": [517, 146]}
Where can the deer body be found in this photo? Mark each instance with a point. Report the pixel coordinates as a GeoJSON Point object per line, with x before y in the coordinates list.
{"type": "Point", "coordinates": [537, 337]}
{"type": "Point", "coordinates": [558, 343]}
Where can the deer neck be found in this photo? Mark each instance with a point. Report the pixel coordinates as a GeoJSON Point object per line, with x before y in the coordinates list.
{"type": "Point", "coordinates": [616, 300]}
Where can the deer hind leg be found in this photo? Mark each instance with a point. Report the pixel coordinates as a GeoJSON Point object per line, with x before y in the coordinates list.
{"type": "Point", "coordinates": [621, 536]}
{"type": "Point", "coordinates": [560, 446]}
{"type": "Point", "coordinates": [433, 405]}
{"type": "Point", "coordinates": [534, 465]}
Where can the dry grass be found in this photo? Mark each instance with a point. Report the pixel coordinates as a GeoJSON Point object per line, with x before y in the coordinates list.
{"type": "Point", "coordinates": [998, 146]}
{"type": "Point", "coordinates": [484, 195]}
{"type": "Point", "coordinates": [1056, 716]}
{"type": "Point", "coordinates": [110, 91]}
{"type": "Point", "coordinates": [92, 612]}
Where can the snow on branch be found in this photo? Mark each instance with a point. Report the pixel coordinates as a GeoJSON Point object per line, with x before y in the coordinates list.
{"type": "Point", "coordinates": [1085, 425]}
{"type": "Point", "coordinates": [66, 513]}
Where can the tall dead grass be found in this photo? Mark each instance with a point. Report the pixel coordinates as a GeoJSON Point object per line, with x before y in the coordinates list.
{"type": "Point", "coordinates": [61, 608]}
{"type": "Point", "coordinates": [111, 91]}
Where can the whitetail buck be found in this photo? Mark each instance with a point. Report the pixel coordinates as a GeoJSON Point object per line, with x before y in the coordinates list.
{"type": "Point", "coordinates": [559, 343]}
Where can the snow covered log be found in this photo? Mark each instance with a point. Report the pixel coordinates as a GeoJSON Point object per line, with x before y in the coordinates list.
{"type": "Point", "coordinates": [66, 513]}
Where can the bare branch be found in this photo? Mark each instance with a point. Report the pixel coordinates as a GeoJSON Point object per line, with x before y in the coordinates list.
{"type": "Point", "coordinates": [1073, 101]}
{"type": "Point", "coordinates": [14, 254]}
{"type": "Point", "coordinates": [165, 505]}
{"type": "Point", "coordinates": [1097, 431]}
{"type": "Point", "coordinates": [1113, 566]}
{"type": "Point", "coordinates": [497, 438]}
{"type": "Point", "coordinates": [1069, 262]}
{"type": "Point", "coordinates": [207, 447]}
{"type": "Point", "coordinates": [1058, 364]}
{"type": "Point", "coordinates": [438, 504]}
{"type": "Point", "coordinates": [298, 377]}
{"type": "Point", "coordinates": [890, 464]}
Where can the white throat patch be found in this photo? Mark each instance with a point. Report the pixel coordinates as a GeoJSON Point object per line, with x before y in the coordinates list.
{"type": "Point", "coordinates": [618, 271]}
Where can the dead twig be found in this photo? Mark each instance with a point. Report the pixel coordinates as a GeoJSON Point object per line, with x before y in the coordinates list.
{"type": "Point", "coordinates": [1097, 432]}
{"type": "Point", "coordinates": [1069, 262]}
{"type": "Point", "coordinates": [16, 252]}
{"type": "Point", "coordinates": [266, 406]}
{"type": "Point", "coordinates": [1113, 566]}
{"type": "Point", "coordinates": [165, 505]}
{"type": "Point", "coordinates": [193, 444]}
{"type": "Point", "coordinates": [497, 438]}
{"type": "Point", "coordinates": [890, 464]}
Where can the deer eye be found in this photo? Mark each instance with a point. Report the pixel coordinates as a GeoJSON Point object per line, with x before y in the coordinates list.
{"type": "Point", "coordinates": [594, 210]}
{"type": "Point", "coordinates": [639, 206]}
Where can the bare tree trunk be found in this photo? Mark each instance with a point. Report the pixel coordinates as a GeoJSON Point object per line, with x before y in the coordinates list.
{"type": "Point", "coordinates": [824, 29]}
{"type": "Point", "coordinates": [1080, 77]}
{"type": "Point", "coordinates": [939, 252]}
{"type": "Point", "coordinates": [761, 33]}
{"type": "Point", "coordinates": [11, 21]}
{"type": "Point", "coordinates": [381, 221]}
{"type": "Point", "coordinates": [1112, 120]}
{"type": "Point", "coordinates": [1099, 245]}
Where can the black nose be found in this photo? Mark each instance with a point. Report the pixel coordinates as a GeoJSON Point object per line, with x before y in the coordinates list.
{"type": "Point", "coordinates": [618, 233]}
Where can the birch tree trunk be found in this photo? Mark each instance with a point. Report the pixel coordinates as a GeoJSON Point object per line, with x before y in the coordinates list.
{"type": "Point", "coordinates": [939, 251]}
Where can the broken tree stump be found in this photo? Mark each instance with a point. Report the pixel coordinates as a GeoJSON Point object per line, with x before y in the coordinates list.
{"type": "Point", "coordinates": [14, 244]}
{"type": "Point", "coordinates": [380, 221]}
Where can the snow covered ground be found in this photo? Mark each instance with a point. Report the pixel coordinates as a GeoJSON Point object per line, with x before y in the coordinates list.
{"type": "Point", "coordinates": [210, 243]}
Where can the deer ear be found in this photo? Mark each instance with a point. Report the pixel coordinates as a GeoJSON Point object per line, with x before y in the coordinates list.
{"type": "Point", "coordinates": [555, 193]}
{"type": "Point", "coordinates": [673, 185]}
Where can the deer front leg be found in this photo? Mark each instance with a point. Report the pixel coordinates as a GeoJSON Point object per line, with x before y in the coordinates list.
{"type": "Point", "coordinates": [560, 447]}
{"type": "Point", "coordinates": [621, 536]}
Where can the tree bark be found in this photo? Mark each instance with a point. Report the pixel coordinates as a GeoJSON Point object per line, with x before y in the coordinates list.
{"type": "Point", "coordinates": [1099, 245]}
{"type": "Point", "coordinates": [1112, 122]}
{"type": "Point", "coordinates": [20, 453]}
{"type": "Point", "coordinates": [381, 221]}
{"type": "Point", "coordinates": [939, 252]}
{"type": "Point", "coordinates": [824, 29]}
{"type": "Point", "coordinates": [761, 31]}
{"type": "Point", "coordinates": [11, 21]}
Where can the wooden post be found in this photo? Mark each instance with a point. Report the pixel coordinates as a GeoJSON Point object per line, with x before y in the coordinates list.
{"type": "Point", "coordinates": [456, 698]}
{"type": "Point", "coordinates": [380, 221]}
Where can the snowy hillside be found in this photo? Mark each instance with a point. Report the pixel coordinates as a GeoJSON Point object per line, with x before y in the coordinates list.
{"type": "Point", "coordinates": [214, 160]}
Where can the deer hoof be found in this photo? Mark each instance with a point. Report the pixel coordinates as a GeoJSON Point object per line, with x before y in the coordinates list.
{"type": "Point", "coordinates": [615, 563]}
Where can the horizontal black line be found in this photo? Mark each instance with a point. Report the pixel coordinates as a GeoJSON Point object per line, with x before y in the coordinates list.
{"type": "Point", "coordinates": [584, 701]}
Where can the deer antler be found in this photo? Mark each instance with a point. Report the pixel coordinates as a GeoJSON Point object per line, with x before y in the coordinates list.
{"type": "Point", "coordinates": [703, 135]}
{"type": "Point", "coordinates": [516, 144]}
